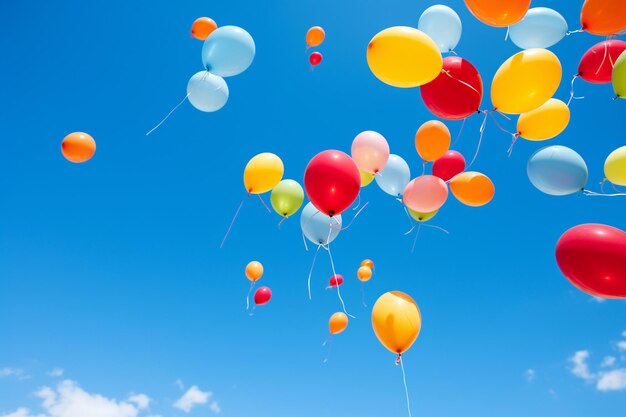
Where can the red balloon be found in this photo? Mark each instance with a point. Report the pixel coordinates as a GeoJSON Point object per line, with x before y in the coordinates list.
{"type": "Point", "coordinates": [262, 296]}
{"type": "Point", "coordinates": [450, 164]}
{"type": "Point", "coordinates": [593, 258]}
{"type": "Point", "coordinates": [457, 92]}
{"type": "Point", "coordinates": [335, 281]}
{"type": "Point", "coordinates": [596, 65]}
{"type": "Point", "coordinates": [315, 58]}
{"type": "Point", "coordinates": [332, 182]}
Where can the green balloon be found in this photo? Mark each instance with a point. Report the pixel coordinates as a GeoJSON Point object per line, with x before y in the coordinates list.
{"type": "Point", "coordinates": [619, 76]}
{"type": "Point", "coordinates": [287, 197]}
{"type": "Point", "coordinates": [422, 217]}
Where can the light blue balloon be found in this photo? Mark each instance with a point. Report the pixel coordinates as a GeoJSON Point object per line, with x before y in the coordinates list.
{"type": "Point", "coordinates": [557, 170]}
{"type": "Point", "coordinates": [443, 25]}
{"type": "Point", "coordinates": [207, 92]}
{"type": "Point", "coordinates": [228, 51]}
{"type": "Point", "coordinates": [540, 28]}
{"type": "Point", "coordinates": [316, 226]}
{"type": "Point", "coordinates": [394, 177]}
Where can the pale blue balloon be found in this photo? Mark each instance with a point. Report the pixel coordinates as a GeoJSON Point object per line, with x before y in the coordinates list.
{"type": "Point", "coordinates": [207, 92]}
{"type": "Point", "coordinates": [557, 170]}
{"type": "Point", "coordinates": [318, 227]}
{"type": "Point", "coordinates": [394, 177]}
{"type": "Point", "coordinates": [228, 51]}
{"type": "Point", "coordinates": [540, 28]}
{"type": "Point", "coordinates": [443, 25]}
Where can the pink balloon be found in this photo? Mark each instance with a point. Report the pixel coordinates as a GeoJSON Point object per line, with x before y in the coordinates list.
{"type": "Point", "coordinates": [425, 194]}
{"type": "Point", "coordinates": [370, 151]}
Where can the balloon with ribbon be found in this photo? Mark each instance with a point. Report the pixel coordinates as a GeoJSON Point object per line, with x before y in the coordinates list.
{"type": "Point", "coordinates": [287, 198]}
{"type": "Point", "coordinates": [396, 321]}
{"type": "Point", "coordinates": [541, 27]}
{"type": "Point", "coordinates": [615, 166]}
{"type": "Point", "coordinates": [254, 272]}
{"type": "Point", "coordinates": [262, 296]}
{"type": "Point", "coordinates": [432, 140]}
{"type": "Point", "coordinates": [472, 188]}
{"type": "Point", "coordinates": [443, 26]}
{"type": "Point", "coordinates": [449, 165]}
{"type": "Point", "coordinates": [395, 176]}
{"type": "Point", "coordinates": [370, 151]}
{"type": "Point", "coordinates": [262, 173]}
{"type": "Point", "coordinates": [366, 178]}
{"type": "Point", "coordinates": [335, 281]}
{"type": "Point", "coordinates": [317, 227]}
{"type": "Point", "coordinates": [619, 76]}
{"type": "Point", "coordinates": [338, 323]}
{"type": "Point", "coordinates": [315, 36]}
{"type": "Point", "coordinates": [422, 217]}
{"type": "Point", "coordinates": [364, 273]}
{"type": "Point", "coordinates": [596, 65]}
{"type": "Point", "coordinates": [497, 12]}
{"type": "Point", "coordinates": [603, 17]}
{"type": "Point", "coordinates": [545, 122]}
{"type": "Point", "coordinates": [207, 92]}
{"type": "Point", "coordinates": [425, 194]}
{"type": "Point", "coordinates": [557, 170]}
{"type": "Point", "coordinates": [228, 51]}
{"type": "Point", "coordinates": [315, 59]}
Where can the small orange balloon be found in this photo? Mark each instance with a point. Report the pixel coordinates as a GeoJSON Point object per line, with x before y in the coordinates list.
{"type": "Point", "coordinates": [432, 140]}
{"type": "Point", "coordinates": [202, 27]}
{"type": "Point", "coordinates": [338, 323]}
{"type": "Point", "coordinates": [472, 188]}
{"type": "Point", "coordinates": [368, 263]}
{"type": "Point", "coordinates": [78, 147]}
{"type": "Point", "coordinates": [498, 13]}
{"type": "Point", "coordinates": [364, 273]}
{"type": "Point", "coordinates": [603, 17]}
{"type": "Point", "coordinates": [315, 36]}
{"type": "Point", "coordinates": [254, 271]}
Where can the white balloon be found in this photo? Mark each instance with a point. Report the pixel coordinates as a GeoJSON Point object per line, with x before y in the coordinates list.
{"type": "Point", "coordinates": [394, 177]}
{"type": "Point", "coordinates": [317, 226]}
{"type": "Point", "coordinates": [207, 92]}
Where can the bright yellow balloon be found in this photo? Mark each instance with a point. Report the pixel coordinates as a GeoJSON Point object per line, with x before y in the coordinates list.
{"type": "Point", "coordinates": [525, 81]}
{"type": "Point", "coordinates": [615, 166]}
{"type": "Point", "coordinates": [366, 178]}
{"type": "Point", "coordinates": [262, 173]}
{"type": "Point", "coordinates": [404, 57]}
{"type": "Point", "coordinates": [396, 320]}
{"type": "Point", "coordinates": [422, 217]}
{"type": "Point", "coordinates": [545, 122]}
{"type": "Point", "coordinates": [337, 323]}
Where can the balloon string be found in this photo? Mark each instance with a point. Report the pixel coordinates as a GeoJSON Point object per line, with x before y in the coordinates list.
{"type": "Point", "coordinates": [248, 297]}
{"type": "Point", "coordinates": [499, 126]}
{"type": "Point", "coordinates": [332, 265]}
{"type": "Point", "coordinates": [231, 224]}
{"type": "Point", "coordinates": [306, 247]}
{"type": "Point", "coordinates": [593, 194]}
{"type": "Point", "coordinates": [419, 227]}
{"type": "Point", "coordinates": [363, 294]}
{"type": "Point", "coordinates": [406, 389]}
{"type": "Point", "coordinates": [424, 167]}
{"type": "Point", "coordinates": [351, 221]}
{"type": "Point", "coordinates": [358, 202]}
{"type": "Point", "coordinates": [571, 91]}
{"type": "Point", "coordinates": [264, 205]}
{"type": "Point", "coordinates": [311, 270]}
{"type": "Point", "coordinates": [451, 51]}
{"type": "Point", "coordinates": [606, 49]}
{"type": "Point", "coordinates": [281, 221]}
{"type": "Point", "coordinates": [506, 37]}
{"type": "Point", "coordinates": [253, 310]}
{"type": "Point", "coordinates": [602, 185]}
{"type": "Point", "coordinates": [570, 32]}
{"type": "Point", "coordinates": [480, 138]}
{"type": "Point", "coordinates": [168, 115]}
{"type": "Point", "coordinates": [458, 136]}
{"type": "Point", "coordinates": [447, 72]}
{"type": "Point", "coordinates": [408, 216]}
{"type": "Point", "coordinates": [436, 227]}
{"type": "Point", "coordinates": [616, 189]}
{"type": "Point", "coordinates": [509, 152]}
{"type": "Point", "coordinates": [328, 342]}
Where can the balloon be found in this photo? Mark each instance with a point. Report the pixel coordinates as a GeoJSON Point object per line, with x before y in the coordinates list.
{"type": "Point", "coordinates": [525, 81]}
{"type": "Point", "coordinates": [366, 178]}
{"type": "Point", "coordinates": [332, 182]}
{"type": "Point", "coordinates": [457, 91]}
{"type": "Point", "coordinates": [262, 296]}
{"type": "Point", "coordinates": [202, 28]}
{"type": "Point", "coordinates": [449, 165]}
{"type": "Point", "coordinates": [364, 273]}
{"type": "Point", "coordinates": [316, 226]}
{"type": "Point", "coordinates": [287, 197]}
{"type": "Point", "coordinates": [315, 36]}
{"type": "Point", "coordinates": [592, 257]}
{"type": "Point", "coordinates": [545, 122]}
{"type": "Point", "coordinates": [368, 263]}
{"type": "Point", "coordinates": [596, 65]}
{"type": "Point", "coordinates": [498, 12]}
{"type": "Point", "coordinates": [78, 147]}
{"type": "Point", "coordinates": [254, 271]}
{"type": "Point", "coordinates": [540, 28]}
{"type": "Point", "coordinates": [207, 92]}
{"type": "Point", "coordinates": [315, 58]}
{"type": "Point", "coordinates": [403, 57]}
{"type": "Point", "coordinates": [432, 140]}
{"type": "Point", "coordinates": [603, 17]}
{"type": "Point", "coordinates": [338, 323]}
{"type": "Point", "coordinates": [422, 217]}
{"type": "Point", "coordinates": [443, 26]}
{"type": "Point", "coordinates": [615, 166]}
{"type": "Point", "coordinates": [619, 76]}
{"type": "Point", "coordinates": [370, 151]}
{"type": "Point", "coordinates": [335, 281]}
{"type": "Point", "coordinates": [557, 170]}
{"type": "Point", "coordinates": [396, 320]}
{"type": "Point", "coordinates": [228, 51]}
{"type": "Point", "coordinates": [394, 177]}
{"type": "Point", "coordinates": [472, 188]}
{"type": "Point", "coordinates": [425, 194]}
{"type": "Point", "coordinates": [262, 173]}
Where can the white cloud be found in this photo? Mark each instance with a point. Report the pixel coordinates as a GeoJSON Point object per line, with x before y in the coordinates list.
{"type": "Point", "coordinates": [612, 380]}
{"type": "Point", "coordinates": [194, 396]}
{"type": "Point", "coordinates": [141, 400]}
{"type": "Point", "coordinates": [621, 346]}
{"type": "Point", "coordinates": [624, 333]}
{"type": "Point", "coordinates": [56, 373]}
{"type": "Point", "coordinates": [530, 375]}
{"type": "Point", "coordinates": [215, 407]}
{"type": "Point", "coordinates": [580, 368]}
{"type": "Point", "coordinates": [608, 361]}
{"type": "Point", "coordinates": [14, 372]}
{"type": "Point", "coordinates": [22, 412]}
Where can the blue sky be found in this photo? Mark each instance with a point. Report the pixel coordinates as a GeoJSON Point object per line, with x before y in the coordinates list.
{"type": "Point", "coordinates": [111, 270]}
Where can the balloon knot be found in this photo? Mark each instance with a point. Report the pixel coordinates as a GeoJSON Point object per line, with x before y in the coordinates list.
{"type": "Point", "coordinates": [399, 359]}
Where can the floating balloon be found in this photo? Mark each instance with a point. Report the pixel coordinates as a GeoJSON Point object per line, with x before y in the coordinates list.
{"type": "Point", "coordinates": [525, 81]}
{"type": "Point", "coordinates": [432, 140]}
{"type": "Point", "coordinates": [593, 258]}
{"type": "Point", "coordinates": [335, 281]}
{"type": "Point", "coordinates": [262, 296]}
{"type": "Point", "coordinates": [472, 188]}
{"type": "Point", "coordinates": [366, 178]}
{"type": "Point", "coordinates": [337, 323]}
{"type": "Point", "coordinates": [540, 28]}
{"type": "Point", "coordinates": [315, 36]}
{"type": "Point", "coordinates": [370, 151]}
{"type": "Point", "coordinates": [545, 122]}
{"type": "Point", "coordinates": [596, 65]}
{"type": "Point", "coordinates": [457, 91]}
{"type": "Point", "coordinates": [287, 197]}
{"type": "Point", "coordinates": [262, 173]}
{"type": "Point", "coordinates": [449, 165]}
{"type": "Point", "coordinates": [396, 321]}
{"type": "Point", "coordinates": [422, 217]}
{"type": "Point", "coordinates": [615, 166]}
{"type": "Point", "coordinates": [228, 51]}
{"type": "Point", "coordinates": [603, 17]}
{"type": "Point", "coordinates": [315, 58]}
{"type": "Point", "coordinates": [425, 194]}
{"type": "Point", "coordinates": [254, 271]}
{"type": "Point", "coordinates": [619, 76]}
{"type": "Point", "coordinates": [497, 12]}
{"type": "Point", "coordinates": [207, 92]}
{"type": "Point", "coordinates": [395, 176]}
{"type": "Point", "coordinates": [443, 26]}
{"type": "Point", "coordinates": [368, 263]}
{"type": "Point", "coordinates": [332, 181]}
{"type": "Point", "coordinates": [318, 227]}
{"type": "Point", "coordinates": [364, 273]}
{"type": "Point", "coordinates": [403, 57]}
{"type": "Point", "coordinates": [202, 28]}
{"type": "Point", "coordinates": [78, 147]}
{"type": "Point", "coordinates": [557, 170]}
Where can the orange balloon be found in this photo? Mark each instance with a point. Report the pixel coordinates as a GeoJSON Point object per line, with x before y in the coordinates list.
{"type": "Point", "coordinates": [315, 36]}
{"type": "Point", "coordinates": [603, 17]}
{"type": "Point", "coordinates": [338, 323]}
{"type": "Point", "coordinates": [368, 263]}
{"type": "Point", "coordinates": [254, 271]}
{"type": "Point", "coordinates": [203, 27]}
{"type": "Point", "coordinates": [498, 13]}
{"type": "Point", "coordinates": [364, 273]}
{"type": "Point", "coordinates": [472, 188]}
{"type": "Point", "coordinates": [432, 140]}
{"type": "Point", "coordinates": [78, 147]}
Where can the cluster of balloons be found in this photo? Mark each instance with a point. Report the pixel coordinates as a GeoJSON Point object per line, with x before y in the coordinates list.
{"type": "Point", "coordinates": [314, 38]}
{"type": "Point", "coordinates": [254, 272]}
{"type": "Point", "coordinates": [78, 147]}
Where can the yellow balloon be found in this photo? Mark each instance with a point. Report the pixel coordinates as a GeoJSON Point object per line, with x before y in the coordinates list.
{"type": "Point", "coordinates": [422, 217]}
{"type": "Point", "coordinates": [262, 173]}
{"type": "Point", "coordinates": [525, 81]}
{"type": "Point", "coordinates": [615, 166]}
{"type": "Point", "coordinates": [545, 122]}
{"type": "Point", "coordinates": [396, 320]}
{"type": "Point", "coordinates": [337, 323]}
{"type": "Point", "coordinates": [366, 178]}
{"type": "Point", "coordinates": [404, 57]}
